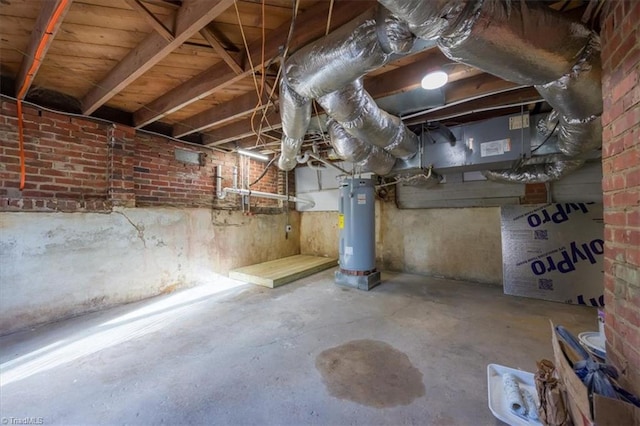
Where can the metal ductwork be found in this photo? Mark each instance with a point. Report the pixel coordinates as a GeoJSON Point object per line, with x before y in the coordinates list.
{"type": "Point", "coordinates": [362, 154]}
{"type": "Point", "coordinates": [327, 69]}
{"type": "Point", "coordinates": [539, 171]}
{"type": "Point", "coordinates": [527, 43]}
{"type": "Point", "coordinates": [295, 113]}
{"type": "Point", "coordinates": [360, 116]}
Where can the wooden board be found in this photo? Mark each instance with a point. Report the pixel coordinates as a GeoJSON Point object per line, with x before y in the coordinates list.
{"type": "Point", "coordinates": [282, 271]}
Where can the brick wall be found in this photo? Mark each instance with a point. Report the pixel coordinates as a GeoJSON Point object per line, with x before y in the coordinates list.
{"type": "Point", "coordinates": [66, 162]}
{"type": "Point", "coordinates": [78, 164]}
{"type": "Point", "coordinates": [534, 193]}
{"type": "Point", "coordinates": [621, 185]}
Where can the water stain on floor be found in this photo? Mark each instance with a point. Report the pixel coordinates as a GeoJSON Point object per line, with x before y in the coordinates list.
{"type": "Point", "coordinates": [371, 373]}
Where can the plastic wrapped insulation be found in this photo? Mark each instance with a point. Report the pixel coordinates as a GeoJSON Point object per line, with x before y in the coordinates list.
{"type": "Point", "coordinates": [513, 395]}
{"type": "Point", "coordinates": [524, 42]}
{"type": "Point", "coordinates": [346, 54]}
{"type": "Point", "coordinates": [358, 113]}
{"type": "Point", "coordinates": [290, 148]}
{"type": "Point", "coordinates": [535, 173]}
{"type": "Point", "coordinates": [578, 93]}
{"type": "Point", "coordinates": [578, 137]}
{"type": "Point", "coordinates": [369, 158]}
{"type": "Point", "coordinates": [426, 19]}
{"type": "Point", "coordinates": [295, 112]}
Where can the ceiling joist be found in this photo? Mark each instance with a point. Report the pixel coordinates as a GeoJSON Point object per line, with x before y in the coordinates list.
{"type": "Point", "coordinates": [47, 25]}
{"type": "Point", "coordinates": [192, 16]}
{"type": "Point", "coordinates": [310, 25]}
{"type": "Point", "coordinates": [151, 19]}
{"type": "Point", "coordinates": [233, 63]}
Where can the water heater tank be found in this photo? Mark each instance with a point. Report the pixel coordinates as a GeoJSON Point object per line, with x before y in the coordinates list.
{"type": "Point", "coordinates": [357, 226]}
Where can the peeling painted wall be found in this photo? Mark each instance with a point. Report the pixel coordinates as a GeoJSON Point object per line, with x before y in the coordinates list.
{"type": "Point", "coordinates": [56, 265]}
{"type": "Point", "coordinates": [460, 243]}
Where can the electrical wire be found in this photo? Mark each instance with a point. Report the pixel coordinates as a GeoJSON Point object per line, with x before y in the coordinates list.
{"type": "Point", "coordinates": [28, 79]}
{"type": "Point", "coordinates": [264, 172]}
{"type": "Point", "coordinates": [547, 138]}
{"type": "Point", "coordinates": [329, 18]}
{"type": "Point", "coordinates": [102, 120]}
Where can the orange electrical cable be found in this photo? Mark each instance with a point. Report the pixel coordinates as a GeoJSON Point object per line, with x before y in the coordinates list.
{"type": "Point", "coordinates": [37, 59]}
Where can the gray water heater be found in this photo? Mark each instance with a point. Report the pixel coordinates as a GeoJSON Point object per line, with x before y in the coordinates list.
{"type": "Point", "coordinates": [357, 225]}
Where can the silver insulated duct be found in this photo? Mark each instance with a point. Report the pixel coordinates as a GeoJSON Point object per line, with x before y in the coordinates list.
{"type": "Point", "coordinates": [528, 43]}
{"type": "Point", "coordinates": [366, 156]}
{"type": "Point", "coordinates": [325, 67]}
{"type": "Point", "coordinates": [295, 114]}
{"type": "Point", "coordinates": [358, 113]}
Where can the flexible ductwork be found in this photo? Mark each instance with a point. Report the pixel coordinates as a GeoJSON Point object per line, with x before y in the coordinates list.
{"type": "Point", "coordinates": [538, 173]}
{"type": "Point", "coordinates": [295, 113]}
{"type": "Point", "coordinates": [328, 65]}
{"type": "Point", "coordinates": [425, 22]}
{"type": "Point", "coordinates": [361, 117]}
{"type": "Point", "coordinates": [369, 158]}
{"type": "Point", "coordinates": [289, 148]}
{"type": "Point", "coordinates": [526, 43]}
{"type": "Point", "coordinates": [523, 42]}
{"type": "Point", "coordinates": [346, 54]}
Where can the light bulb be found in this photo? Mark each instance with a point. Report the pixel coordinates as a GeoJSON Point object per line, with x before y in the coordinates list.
{"type": "Point", "coordinates": [434, 80]}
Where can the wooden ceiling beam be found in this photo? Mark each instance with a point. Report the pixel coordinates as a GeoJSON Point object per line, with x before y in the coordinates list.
{"type": "Point", "coordinates": [219, 114]}
{"type": "Point", "coordinates": [191, 17]}
{"type": "Point", "coordinates": [151, 19]}
{"type": "Point", "coordinates": [391, 82]}
{"type": "Point", "coordinates": [232, 62]}
{"type": "Point", "coordinates": [241, 129]}
{"type": "Point", "coordinates": [486, 88]}
{"type": "Point", "coordinates": [310, 25]}
{"type": "Point", "coordinates": [408, 77]}
{"type": "Point", "coordinates": [487, 103]}
{"type": "Point", "coordinates": [39, 42]}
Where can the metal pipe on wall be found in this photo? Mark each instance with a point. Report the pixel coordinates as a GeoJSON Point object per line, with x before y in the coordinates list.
{"type": "Point", "coordinates": [260, 194]}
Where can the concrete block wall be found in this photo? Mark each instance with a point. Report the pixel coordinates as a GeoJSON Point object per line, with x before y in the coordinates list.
{"type": "Point", "coordinates": [621, 185]}
{"type": "Point", "coordinates": [453, 243]}
{"type": "Point", "coordinates": [108, 216]}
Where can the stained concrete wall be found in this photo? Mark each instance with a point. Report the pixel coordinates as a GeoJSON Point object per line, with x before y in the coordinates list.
{"type": "Point", "coordinates": [460, 243]}
{"type": "Point", "coordinates": [319, 233]}
{"type": "Point", "coordinates": [56, 265]}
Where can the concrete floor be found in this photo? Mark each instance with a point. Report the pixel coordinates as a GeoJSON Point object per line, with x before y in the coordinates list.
{"type": "Point", "coordinates": [306, 353]}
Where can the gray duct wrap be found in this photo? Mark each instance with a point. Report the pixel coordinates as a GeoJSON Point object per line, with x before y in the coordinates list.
{"type": "Point", "coordinates": [289, 149]}
{"type": "Point", "coordinates": [538, 173]}
{"type": "Point", "coordinates": [358, 113]}
{"type": "Point", "coordinates": [523, 42]}
{"type": "Point", "coordinates": [578, 93]}
{"type": "Point", "coordinates": [426, 19]}
{"type": "Point", "coordinates": [528, 43]}
{"type": "Point", "coordinates": [295, 112]}
{"type": "Point", "coordinates": [577, 97]}
{"type": "Point", "coordinates": [369, 157]}
{"type": "Point", "coordinates": [346, 54]}
{"type": "Point", "coordinates": [335, 61]}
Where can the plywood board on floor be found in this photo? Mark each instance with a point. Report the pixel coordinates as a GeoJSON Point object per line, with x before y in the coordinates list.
{"type": "Point", "coordinates": [282, 271]}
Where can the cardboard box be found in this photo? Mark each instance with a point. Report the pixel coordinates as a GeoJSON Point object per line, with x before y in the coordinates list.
{"type": "Point", "coordinates": [554, 252]}
{"type": "Point", "coordinates": [606, 411]}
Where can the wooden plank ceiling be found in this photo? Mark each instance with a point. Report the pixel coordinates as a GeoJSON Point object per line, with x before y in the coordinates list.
{"type": "Point", "coordinates": [197, 66]}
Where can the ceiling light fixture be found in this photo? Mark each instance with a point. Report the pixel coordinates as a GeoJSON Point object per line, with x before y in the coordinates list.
{"type": "Point", "coordinates": [434, 80]}
{"type": "Point", "coordinates": [253, 154]}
